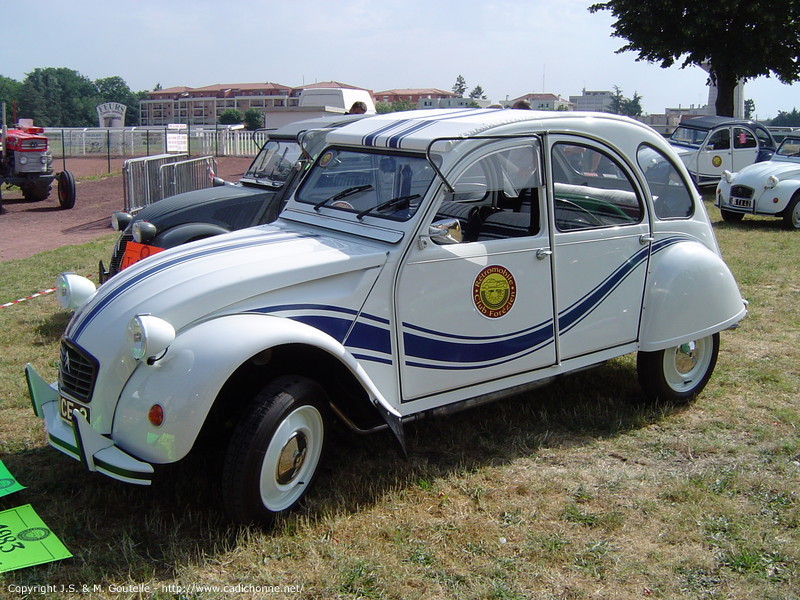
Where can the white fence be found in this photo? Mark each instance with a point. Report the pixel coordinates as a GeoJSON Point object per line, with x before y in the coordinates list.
{"type": "Point", "coordinates": [133, 142]}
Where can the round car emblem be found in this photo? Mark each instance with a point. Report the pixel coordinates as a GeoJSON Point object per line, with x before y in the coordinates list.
{"type": "Point", "coordinates": [716, 161]}
{"type": "Point", "coordinates": [494, 291]}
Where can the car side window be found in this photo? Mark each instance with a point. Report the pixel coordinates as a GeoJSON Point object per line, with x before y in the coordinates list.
{"type": "Point", "coordinates": [764, 139]}
{"type": "Point", "coordinates": [591, 189]}
{"type": "Point", "coordinates": [743, 138]}
{"type": "Point", "coordinates": [719, 140]}
{"type": "Point", "coordinates": [497, 196]}
{"type": "Point", "coordinates": [671, 196]}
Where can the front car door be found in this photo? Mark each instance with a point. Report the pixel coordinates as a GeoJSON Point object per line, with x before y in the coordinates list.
{"type": "Point", "coordinates": [480, 310]}
{"type": "Point", "coordinates": [715, 156]}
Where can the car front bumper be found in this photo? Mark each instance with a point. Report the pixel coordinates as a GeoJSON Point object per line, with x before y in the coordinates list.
{"type": "Point", "coordinates": [79, 441]}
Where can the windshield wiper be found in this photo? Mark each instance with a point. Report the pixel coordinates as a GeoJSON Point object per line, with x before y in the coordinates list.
{"type": "Point", "coordinates": [344, 194]}
{"type": "Point", "coordinates": [388, 204]}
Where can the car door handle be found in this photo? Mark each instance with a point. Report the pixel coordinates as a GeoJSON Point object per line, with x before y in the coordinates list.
{"type": "Point", "coordinates": [645, 239]}
{"type": "Point", "coordinates": [541, 253]}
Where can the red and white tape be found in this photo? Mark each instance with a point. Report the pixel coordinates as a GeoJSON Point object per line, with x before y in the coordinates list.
{"type": "Point", "coordinates": [31, 297]}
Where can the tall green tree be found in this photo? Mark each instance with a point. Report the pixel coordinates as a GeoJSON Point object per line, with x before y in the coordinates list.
{"type": "Point", "coordinates": [477, 93]}
{"type": "Point", "coordinates": [736, 39]}
{"type": "Point", "coordinates": [787, 119]}
{"type": "Point", "coordinates": [230, 116]}
{"type": "Point", "coordinates": [58, 97]}
{"type": "Point", "coordinates": [460, 86]}
{"type": "Point", "coordinates": [114, 89]}
{"type": "Point", "coordinates": [9, 93]}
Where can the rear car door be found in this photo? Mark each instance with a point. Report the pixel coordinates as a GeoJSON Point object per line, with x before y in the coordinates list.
{"type": "Point", "coordinates": [601, 246]}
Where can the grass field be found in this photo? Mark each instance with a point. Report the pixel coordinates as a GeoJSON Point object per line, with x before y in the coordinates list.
{"type": "Point", "coordinates": [574, 492]}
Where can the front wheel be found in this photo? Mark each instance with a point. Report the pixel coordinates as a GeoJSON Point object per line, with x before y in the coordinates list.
{"type": "Point", "coordinates": [678, 374]}
{"type": "Point", "coordinates": [275, 451]}
{"type": "Point", "coordinates": [66, 189]}
{"type": "Point", "coordinates": [730, 216]}
{"type": "Point", "coordinates": [791, 218]}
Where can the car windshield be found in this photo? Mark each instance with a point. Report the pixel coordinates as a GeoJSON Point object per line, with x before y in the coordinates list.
{"type": "Point", "coordinates": [274, 162]}
{"type": "Point", "coordinates": [689, 136]}
{"type": "Point", "coordinates": [374, 184]}
{"type": "Point", "coordinates": [790, 146]}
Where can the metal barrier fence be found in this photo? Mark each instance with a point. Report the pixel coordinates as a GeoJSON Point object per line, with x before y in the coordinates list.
{"type": "Point", "coordinates": [186, 175]}
{"type": "Point", "coordinates": [132, 142]}
{"type": "Point", "coordinates": [151, 178]}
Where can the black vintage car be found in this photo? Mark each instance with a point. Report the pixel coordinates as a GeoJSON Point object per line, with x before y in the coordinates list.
{"type": "Point", "coordinates": [256, 199]}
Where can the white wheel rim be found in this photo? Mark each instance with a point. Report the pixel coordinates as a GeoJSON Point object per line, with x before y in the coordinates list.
{"type": "Point", "coordinates": [796, 216]}
{"type": "Point", "coordinates": [291, 458]}
{"type": "Point", "coordinates": [687, 364]}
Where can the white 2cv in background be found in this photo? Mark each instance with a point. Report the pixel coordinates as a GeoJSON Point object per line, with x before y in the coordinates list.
{"type": "Point", "coordinates": [427, 261]}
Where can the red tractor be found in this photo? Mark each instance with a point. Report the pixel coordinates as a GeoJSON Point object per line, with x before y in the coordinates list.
{"type": "Point", "coordinates": [27, 163]}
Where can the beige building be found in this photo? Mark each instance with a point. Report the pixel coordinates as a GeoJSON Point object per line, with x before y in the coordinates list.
{"type": "Point", "coordinates": [203, 106]}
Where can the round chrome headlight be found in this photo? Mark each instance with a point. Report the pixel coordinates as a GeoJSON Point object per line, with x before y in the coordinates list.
{"type": "Point", "coordinates": [23, 160]}
{"type": "Point", "coordinates": [772, 181]}
{"type": "Point", "coordinates": [144, 231]}
{"type": "Point", "coordinates": [73, 291]}
{"type": "Point", "coordinates": [149, 336]}
{"type": "Point", "coordinates": [727, 176]}
{"type": "Point", "coordinates": [120, 220]}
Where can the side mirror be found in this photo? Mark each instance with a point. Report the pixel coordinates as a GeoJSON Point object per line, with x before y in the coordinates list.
{"type": "Point", "coordinates": [447, 231]}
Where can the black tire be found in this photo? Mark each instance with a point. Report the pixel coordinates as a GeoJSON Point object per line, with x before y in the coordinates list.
{"type": "Point", "coordinates": [678, 374]}
{"type": "Point", "coordinates": [275, 450]}
{"type": "Point", "coordinates": [66, 189]}
{"type": "Point", "coordinates": [35, 191]}
{"type": "Point", "coordinates": [791, 216]}
{"type": "Point", "coordinates": [731, 217]}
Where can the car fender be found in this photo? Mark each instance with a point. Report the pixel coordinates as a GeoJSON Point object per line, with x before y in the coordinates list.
{"type": "Point", "coordinates": [690, 294]}
{"type": "Point", "coordinates": [175, 236]}
{"type": "Point", "coordinates": [775, 200]}
{"type": "Point", "coordinates": [187, 380]}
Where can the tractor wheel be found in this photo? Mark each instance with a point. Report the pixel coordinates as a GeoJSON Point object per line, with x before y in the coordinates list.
{"type": "Point", "coordinates": [35, 191]}
{"type": "Point", "coordinates": [66, 189]}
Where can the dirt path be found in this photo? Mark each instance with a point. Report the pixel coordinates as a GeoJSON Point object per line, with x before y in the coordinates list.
{"type": "Point", "coordinates": [27, 228]}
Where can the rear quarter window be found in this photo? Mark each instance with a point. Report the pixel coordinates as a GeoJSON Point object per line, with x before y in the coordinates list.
{"type": "Point", "coordinates": [671, 196]}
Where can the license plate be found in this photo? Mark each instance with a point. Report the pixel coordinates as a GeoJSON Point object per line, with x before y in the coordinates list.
{"type": "Point", "coordinates": [67, 407]}
{"type": "Point", "coordinates": [134, 252]}
{"type": "Point", "coordinates": [742, 202]}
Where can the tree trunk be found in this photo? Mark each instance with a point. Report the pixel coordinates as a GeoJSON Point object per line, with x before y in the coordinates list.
{"type": "Point", "coordinates": [726, 84]}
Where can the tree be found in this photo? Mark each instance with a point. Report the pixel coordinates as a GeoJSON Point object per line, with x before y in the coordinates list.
{"type": "Point", "coordinates": [9, 93]}
{"type": "Point", "coordinates": [386, 107]}
{"type": "Point", "coordinates": [253, 119]}
{"type": "Point", "coordinates": [787, 119]}
{"type": "Point", "coordinates": [737, 40]}
{"type": "Point", "coordinates": [114, 89]}
{"type": "Point", "coordinates": [230, 117]}
{"type": "Point", "coordinates": [749, 108]}
{"type": "Point", "coordinates": [58, 97]}
{"type": "Point", "coordinates": [460, 86]}
{"type": "Point", "coordinates": [620, 105]}
{"type": "Point", "coordinates": [477, 93]}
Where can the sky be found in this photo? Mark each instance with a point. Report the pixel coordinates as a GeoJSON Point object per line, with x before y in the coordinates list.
{"type": "Point", "coordinates": [509, 48]}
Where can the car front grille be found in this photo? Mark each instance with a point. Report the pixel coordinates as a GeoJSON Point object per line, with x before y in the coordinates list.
{"type": "Point", "coordinates": [119, 252]}
{"type": "Point", "coordinates": [741, 191]}
{"type": "Point", "coordinates": [77, 371]}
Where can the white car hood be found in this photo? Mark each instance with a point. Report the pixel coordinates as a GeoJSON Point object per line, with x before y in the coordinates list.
{"type": "Point", "coordinates": [756, 174]}
{"type": "Point", "coordinates": [246, 270]}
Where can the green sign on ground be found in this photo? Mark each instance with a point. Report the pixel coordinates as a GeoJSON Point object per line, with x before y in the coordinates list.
{"type": "Point", "coordinates": [8, 485]}
{"type": "Point", "coordinates": [26, 541]}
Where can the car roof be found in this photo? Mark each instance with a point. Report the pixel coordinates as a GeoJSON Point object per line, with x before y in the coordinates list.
{"type": "Point", "coordinates": [709, 122]}
{"type": "Point", "coordinates": [292, 130]}
{"type": "Point", "coordinates": [415, 130]}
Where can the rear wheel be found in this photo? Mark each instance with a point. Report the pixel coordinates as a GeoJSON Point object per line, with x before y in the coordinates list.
{"type": "Point", "coordinates": [276, 450]}
{"type": "Point", "coordinates": [35, 191]}
{"type": "Point", "coordinates": [791, 218]}
{"type": "Point", "coordinates": [66, 189]}
{"type": "Point", "coordinates": [678, 374]}
{"type": "Point", "coordinates": [730, 216]}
